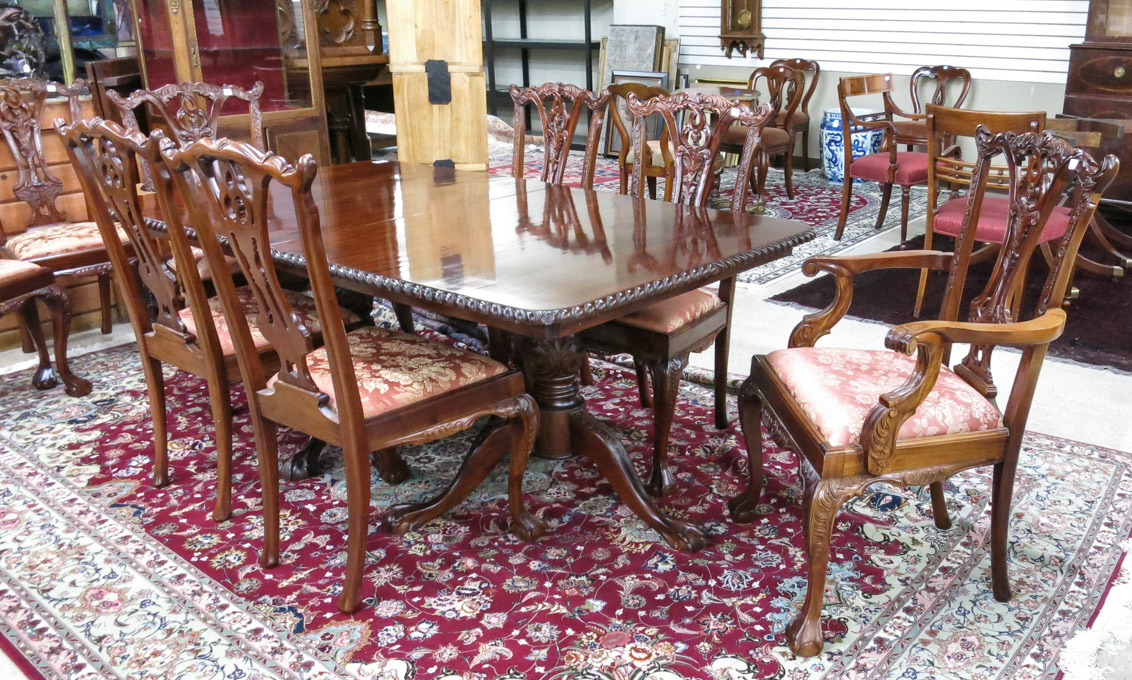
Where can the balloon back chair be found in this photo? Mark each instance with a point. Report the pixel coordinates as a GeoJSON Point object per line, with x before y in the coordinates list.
{"type": "Point", "coordinates": [912, 130]}
{"type": "Point", "coordinates": [858, 417]}
{"type": "Point", "coordinates": [810, 71]}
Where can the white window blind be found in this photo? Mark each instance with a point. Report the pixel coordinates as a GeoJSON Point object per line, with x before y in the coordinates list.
{"type": "Point", "coordinates": [1019, 40]}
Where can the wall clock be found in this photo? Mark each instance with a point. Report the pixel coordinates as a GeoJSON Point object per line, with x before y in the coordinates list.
{"type": "Point", "coordinates": [741, 27]}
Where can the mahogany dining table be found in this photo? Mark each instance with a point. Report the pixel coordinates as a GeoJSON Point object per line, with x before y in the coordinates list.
{"type": "Point", "coordinates": [537, 264]}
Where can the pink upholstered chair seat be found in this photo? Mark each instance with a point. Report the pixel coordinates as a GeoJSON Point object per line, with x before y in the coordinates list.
{"type": "Point", "coordinates": [668, 315]}
{"type": "Point", "coordinates": [992, 220]}
{"type": "Point", "coordinates": [57, 239]}
{"type": "Point", "coordinates": [837, 388]}
{"type": "Point", "coordinates": [203, 269]}
{"type": "Point", "coordinates": [395, 369]}
{"type": "Point", "coordinates": [911, 167]}
{"type": "Point", "coordinates": [302, 305]}
{"type": "Point", "coordinates": [14, 271]}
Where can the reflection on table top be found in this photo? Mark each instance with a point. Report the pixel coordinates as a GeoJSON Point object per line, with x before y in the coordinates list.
{"type": "Point", "coordinates": [519, 254]}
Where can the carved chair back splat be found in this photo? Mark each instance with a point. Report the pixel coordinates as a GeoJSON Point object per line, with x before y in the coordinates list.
{"type": "Point", "coordinates": [192, 110]}
{"type": "Point", "coordinates": [560, 107]}
{"type": "Point", "coordinates": [957, 425]}
{"type": "Point", "coordinates": [107, 157]}
{"type": "Point", "coordinates": [811, 72]}
{"type": "Point", "coordinates": [226, 186]}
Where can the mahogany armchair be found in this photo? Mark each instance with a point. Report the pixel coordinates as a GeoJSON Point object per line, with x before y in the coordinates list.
{"type": "Point", "coordinates": [801, 121]}
{"type": "Point", "coordinates": [22, 284]}
{"type": "Point", "coordinates": [784, 87]}
{"type": "Point", "coordinates": [55, 239]}
{"type": "Point", "coordinates": [945, 127]}
{"type": "Point", "coordinates": [370, 389]}
{"type": "Point", "coordinates": [912, 130]}
{"type": "Point", "coordinates": [857, 417]}
{"type": "Point", "coordinates": [660, 164]}
{"type": "Point", "coordinates": [888, 166]}
{"type": "Point", "coordinates": [106, 157]}
{"type": "Point", "coordinates": [661, 337]}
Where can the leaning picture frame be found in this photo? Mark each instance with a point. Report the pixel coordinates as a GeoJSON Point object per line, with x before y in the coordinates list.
{"type": "Point", "coordinates": [649, 78]}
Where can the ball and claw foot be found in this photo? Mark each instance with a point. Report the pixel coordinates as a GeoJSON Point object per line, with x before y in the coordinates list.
{"type": "Point", "coordinates": [743, 509]}
{"type": "Point", "coordinates": [391, 467]}
{"type": "Point", "coordinates": [305, 463]}
{"type": "Point", "coordinates": [661, 481]}
{"type": "Point", "coordinates": [804, 636]}
{"type": "Point", "coordinates": [684, 536]}
{"type": "Point", "coordinates": [528, 527]}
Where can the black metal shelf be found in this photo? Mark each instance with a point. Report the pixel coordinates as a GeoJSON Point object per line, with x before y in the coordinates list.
{"type": "Point", "coordinates": [545, 44]}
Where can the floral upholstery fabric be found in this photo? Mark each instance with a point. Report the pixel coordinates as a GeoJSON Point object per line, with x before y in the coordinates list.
{"type": "Point", "coordinates": [301, 305]}
{"type": "Point", "coordinates": [668, 315]}
{"type": "Point", "coordinates": [12, 271]}
{"type": "Point", "coordinates": [992, 220]}
{"type": "Point", "coordinates": [57, 239]}
{"type": "Point", "coordinates": [396, 369]}
{"type": "Point", "coordinates": [837, 388]}
{"type": "Point", "coordinates": [911, 167]}
{"type": "Point", "coordinates": [203, 269]}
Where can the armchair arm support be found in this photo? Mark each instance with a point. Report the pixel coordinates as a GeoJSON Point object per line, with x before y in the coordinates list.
{"type": "Point", "coordinates": [844, 268]}
{"type": "Point", "coordinates": [929, 339]}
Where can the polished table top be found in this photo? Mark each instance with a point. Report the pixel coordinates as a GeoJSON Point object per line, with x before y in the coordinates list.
{"type": "Point", "coordinates": [538, 260]}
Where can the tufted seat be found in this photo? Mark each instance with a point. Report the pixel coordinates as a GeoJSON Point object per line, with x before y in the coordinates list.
{"type": "Point", "coordinates": [301, 305]}
{"type": "Point", "coordinates": [992, 220]}
{"type": "Point", "coordinates": [396, 369]}
{"type": "Point", "coordinates": [911, 167]}
{"type": "Point", "coordinates": [838, 387]}
{"type": "Point", "coordinates": [668, 315]}
{"type": "Point", "coordinates": [57, 239]}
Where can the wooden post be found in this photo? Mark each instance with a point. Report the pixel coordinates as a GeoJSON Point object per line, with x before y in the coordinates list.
{"type": "Point", "coordinates": [448, 31]}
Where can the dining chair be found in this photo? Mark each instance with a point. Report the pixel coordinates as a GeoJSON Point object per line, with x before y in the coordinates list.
{"type": "Point", "coordinates": [859, 417]}
{"type": "Point", "coordinates": [887, 166]}
{"type": "Point", "coordinates": [560, 107]}
{"type": "Point", "coordinates": [106, 158]}
{"type": "Point", "coordinates": [911, 128]}
{"type": "Point", "coordinates": [661, 164]}
{"type": "Point", "coordinates": [371, 389]}
{"type": "Point", "coordinates": [62, 241]}
{"type": "Point", "coordinates": [22, 285]}
{"type": "Point", "coordinates": [785, 87]}
{"type": "Point", "coordinates": [811, 71]}
{"type": "Point", "coordinates": [946, 128]}
{"type": "Point", "coordinates": [660, 337]}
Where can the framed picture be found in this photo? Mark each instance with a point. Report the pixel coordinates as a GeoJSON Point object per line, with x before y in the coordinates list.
{"type": "Point", "coordinates": [652, 124]}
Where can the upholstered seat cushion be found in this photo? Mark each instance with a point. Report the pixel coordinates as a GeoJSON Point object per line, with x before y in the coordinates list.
{"type": "Point", "coordinates": [772, 138]}
{"type": "Point", "coordinates": [668, 315]}
{"type": "Point", "coordinates": [837, 388]}
{"type": "Point", "coordinates": [203, 269]}
{"type": "Point", "coordinates": [57, 239]}
{"type": "Point", "coordinates": [302, 305]}
{"type": "Point", "coordinates": [911, 167]}
{"type": "Point", "coordinates": [911, 128]}
{"type": "Point", "coordinates": [801, 119]}
{"type": "Point", "coordinates": [992, 220]}
{"type": "Point", "coordinates": [20, 278]}
{"type": "Point", "coordinates": [656, 156]}
{"type": "Point", "coordinates": [396, 369]}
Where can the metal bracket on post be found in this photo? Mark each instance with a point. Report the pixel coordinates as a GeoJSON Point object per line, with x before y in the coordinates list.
{"type": "Point", "coordinates": [439, 82]}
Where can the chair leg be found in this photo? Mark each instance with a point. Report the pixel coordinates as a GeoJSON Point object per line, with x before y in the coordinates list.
{"type": "Point", "coordinates": [106, 301]}
{"type": "Point", "coordinates": [404, 315]}
{"type": "Point", "coordinates": [357, 504]}
{"type": "Point", "coordinates": [60, 307]}
{"type": "Point", "coordinates": [27, 343]}
{"type": "Point", "coordinates": [666, 374]}
{"type": "Point", "coordinates": [642, 382]}
{"type": "Point", "coordinates": [525, 424]}
{"type": "Point", "coordinates": [651, 181]}
{"type": "Point", "coordinates": [885, 196]}
{"type": "Point", "coordinates": [905, 197]}
{"type": "Point", "coordinates": [155, 385]}
{"type": "Point", "coordinates": [499, 345]}
{"type": "Point", "coordinates": [585, 373]}
{"type": "Point", "coordinates": [304, 464]}
{"type": "Point", "coordinates": [221, 404]}
{"type": "Point", "coordinates": [823, 498]}
{"type": "Point", "coordinates": [788, 169]}
{"type": "Point", "coordinates": [846, 194]}
{"type": "Point", "coordinates": [44, 378]}
{"type": "Point", "coordinates": [391, 467]}
{"type": "Point", "coordinates": [923, 288]}
{"type": "Point", "coordinates": [742, 507]}
{"type": "Point", "coordinates": [806, 148]}
{"type": "Point", "coordinates": [939, 507]}
{"type": "Point", "coordinates": [1000, 528]}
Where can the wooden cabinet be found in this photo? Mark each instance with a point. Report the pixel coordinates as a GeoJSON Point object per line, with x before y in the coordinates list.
{"type": "Point", "coordinates": [1099, 84]}
{"type": "Point", "coordinates": [239, 42]}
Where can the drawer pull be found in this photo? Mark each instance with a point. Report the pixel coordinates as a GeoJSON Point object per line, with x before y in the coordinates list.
{"type": "Point", "coordinates": [1118, 72]}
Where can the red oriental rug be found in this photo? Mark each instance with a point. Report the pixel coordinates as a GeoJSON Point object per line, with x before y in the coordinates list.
{"type": "Point", "coordinates": [102, 575]}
